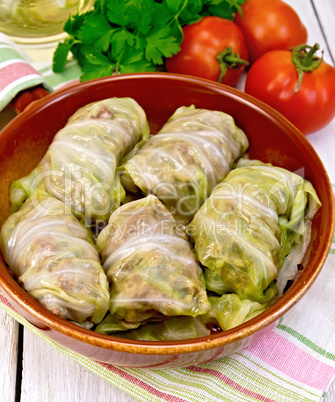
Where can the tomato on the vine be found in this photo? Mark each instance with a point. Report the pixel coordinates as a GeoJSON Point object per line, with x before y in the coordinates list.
{"type": "Point", "coordinates": [298, 84]}
{"type": "Point", "coordinates": [213, 48]}
{"type": "Point", "coordinates": [270, 25]}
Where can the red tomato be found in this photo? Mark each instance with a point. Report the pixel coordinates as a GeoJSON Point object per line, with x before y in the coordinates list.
{"type": "Point", "coordinates": [270, 25]}
{"type": "Point", "coordinates": [273, 79]}
{"type": "Point", "coordinates": [204, 44]}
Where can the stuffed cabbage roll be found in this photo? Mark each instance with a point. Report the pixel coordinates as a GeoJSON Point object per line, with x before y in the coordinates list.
{"type": "Point", "coordinates": [255, 225]}
{"type": "Point", "coordinates": [228, 311]}
{"type": "Point", "coordinates": [192, 153]}
{"type": "Point", "coordinates": [53, 257]}
{"type": "Point", "coordinates": [149, 263]}
{"type": "Point", "coordinates": [80, 166]}
{"type": "Point", "coordinates": [171, 329]}
{"type": "Point", "coordinates": [110, 325]}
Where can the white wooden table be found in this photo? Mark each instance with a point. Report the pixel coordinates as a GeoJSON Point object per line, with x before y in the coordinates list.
{"type": "Point", "coordinates": [31, 370]}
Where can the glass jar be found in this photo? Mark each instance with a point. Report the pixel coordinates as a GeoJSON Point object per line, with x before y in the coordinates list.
{"type": "Point", "coordinates": [38, 21]}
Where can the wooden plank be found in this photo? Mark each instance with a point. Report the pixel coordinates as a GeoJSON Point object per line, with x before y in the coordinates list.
{"type": "Point", "coordinates": [330, 397]}
{"type": "Point", "coordinates": [321, 12]}
{"type": "Point", "coordinates": [325, 14]}
{"type": "Point", "coordinates": [49, 375]}
{"type": "Point", "coordinates": [9, 330]}
{"type": "Point", "coordinates": [318, 17]}
{"type": "Point", "coordinates": [325, 10]}
{"type": "Point", "coordinates": [307, 12]}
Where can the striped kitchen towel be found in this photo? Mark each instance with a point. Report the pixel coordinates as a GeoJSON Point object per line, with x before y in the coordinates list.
{"type": "Point", "coordinates": [16, 72]}
{"type": "Point", "coordinates": [294, 361]}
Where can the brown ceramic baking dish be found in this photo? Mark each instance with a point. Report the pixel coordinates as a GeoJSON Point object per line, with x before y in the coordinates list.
{"type": "Point", "coordinates": [272, 139]}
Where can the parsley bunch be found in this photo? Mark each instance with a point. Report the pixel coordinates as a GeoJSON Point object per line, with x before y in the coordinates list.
{"type": "Point", "coordinates": [124, 36]}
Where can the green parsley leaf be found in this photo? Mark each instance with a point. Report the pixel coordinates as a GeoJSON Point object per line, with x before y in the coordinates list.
{"type": "Point", "coordinates": [94, 29]}
{"type": "Point", "coordinates": [223, 8]}
{"type": "Point", "coordinates": [123, 36]}
{"type": "Point", "coordinates": [160, 43]}
{"type": "Point", "coordinates": [133, 60]}
{"type": "Point", "coordinates": [91, 72]}
{"type": "Point", "coordinates": [141, 15]}
{"type": "Point", "coordinates": [73, 24]}
{"type": "Point", "coordinates": [175, 6]}
{"type": "Point", "coordinates": [96, 66]}
{"type": "Point", "coordinates": [117, 12]}
{"type": "Point", "coordinates": [60, 56]}
{"type": "Point", "coordinates": [122, 39]}
{"type": "Point", "coordinates": [192, 12]}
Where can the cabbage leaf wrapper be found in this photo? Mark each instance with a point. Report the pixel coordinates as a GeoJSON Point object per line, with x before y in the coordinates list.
{"type": "Point", "coordinates": [192, 153]}
{"type": "Point", "coordinates": [54, 259]}
{"type": "Point", "coordinates": [170, 329]}
{"type": "Point", "coordinates": [110, 324]}
{"type": "Point", "coordinates": [254, 229]}
{"type": "Point", "coordinates": [228, 311]}
{"type": "Point", "coordinates": [80, 165]}
{"type": "Point", "coordinates": [150, 265]}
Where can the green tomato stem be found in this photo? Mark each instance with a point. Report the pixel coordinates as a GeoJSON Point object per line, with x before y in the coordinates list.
{"type": "Point", "coordinates": [309, 56]}
{"type": "Point", "coordinates": [229, 59]}
{"type": "Point", "coordinates": [305, 60]}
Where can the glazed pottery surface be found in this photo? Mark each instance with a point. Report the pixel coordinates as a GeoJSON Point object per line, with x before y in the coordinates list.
{"type": "Point", "coordinates": [272, 139]}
